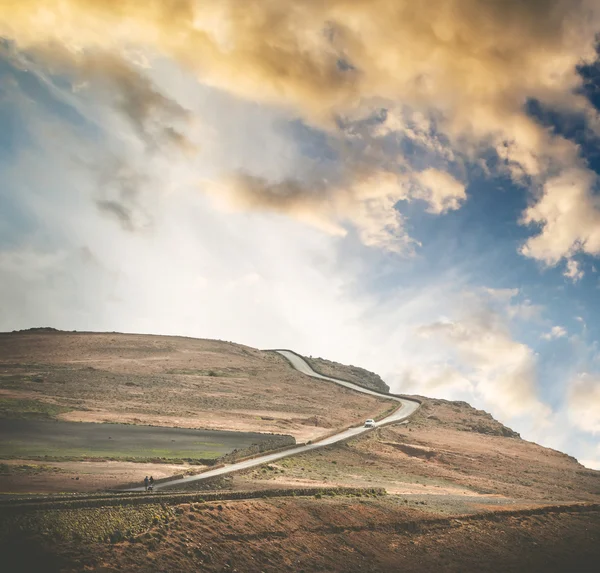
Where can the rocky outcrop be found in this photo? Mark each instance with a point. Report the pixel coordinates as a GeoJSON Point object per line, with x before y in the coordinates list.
{"type": "Point", "coordinates": [462, 416]}
{"type": "Point", "coordinates": [354, 374]}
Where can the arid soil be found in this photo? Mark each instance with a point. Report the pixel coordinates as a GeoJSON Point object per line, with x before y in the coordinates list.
{"type": "Point", "coordinates": [165, 381]}
{"type": "Point", "coordinates": [467, 493]}
{"type": "Point", "coordinates": [23, 476]}
{"type": "Point", "coordinates": [446, 448]}
{"type": "Point", "coordinates": [174, 381]}
{"type": "Point", "coordinates": [307, 535]}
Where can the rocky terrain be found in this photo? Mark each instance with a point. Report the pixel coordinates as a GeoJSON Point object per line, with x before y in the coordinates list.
{"type": "Point", "coordinates": [452, 489]}
{"type": "Point", "coordinates": [353, 374]}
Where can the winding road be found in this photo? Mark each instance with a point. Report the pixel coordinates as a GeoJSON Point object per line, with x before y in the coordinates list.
{"type": "Point", "coordinates": [406, 409]}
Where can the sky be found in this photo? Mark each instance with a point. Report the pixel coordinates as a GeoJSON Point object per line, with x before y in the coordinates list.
{"type": "Point", "coordinates": [409, 187]}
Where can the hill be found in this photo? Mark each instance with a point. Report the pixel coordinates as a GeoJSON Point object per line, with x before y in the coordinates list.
{"type": "Point", "coordinates": [452, 489]}
{"type": "Point", "coordinates": [354, 374]}
{"type": "Point", "coordinates": [148, 380]}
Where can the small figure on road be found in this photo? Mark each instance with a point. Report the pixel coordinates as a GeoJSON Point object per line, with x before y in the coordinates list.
{"type": "Point", "coordinates": [151, 483]}
{"type": "Point", "coordinates": [146, 482]}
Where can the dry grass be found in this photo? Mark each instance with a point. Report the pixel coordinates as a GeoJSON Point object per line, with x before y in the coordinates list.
{"type": "Point", "coordinates": [447, 448]}
{"type": "Point", "coordinates": [174, 381]}
{"type": "Point", "coordinates": [345, 534]}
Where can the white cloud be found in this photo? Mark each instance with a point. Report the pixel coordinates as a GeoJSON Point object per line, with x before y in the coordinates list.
{"type": "Point", "coordinates": [569, 215]}
{"type": "Point", "coordinates": [555, 332]}
{"type": "Point", "coordinates": [592, 462]}
{"type": "Point", "coordinates": [502, 369]}
{"type": "Point", "coordinates": [573, 271]}
{"type": "Point", "coordinates": [469, 355]}
{"type": "Point", "coordinates": [584, 402]}
{"type": "Point", "coordinates": [504, 295]}
{"type": "Point", "coordinates": [525, 310]}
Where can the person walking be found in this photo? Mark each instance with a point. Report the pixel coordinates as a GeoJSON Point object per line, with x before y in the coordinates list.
{"type": "Point", "coordinates": [151, 483]}
{"type": "Point", "coordinates": [146, 482]}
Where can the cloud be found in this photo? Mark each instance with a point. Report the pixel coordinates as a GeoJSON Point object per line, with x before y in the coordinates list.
{"type": "Point", "coordinates": [364, 199]}
{"type": "Point", "coordinates": [502, 295]}
{"type": "Point", "coordinates": [584, 402]}
{"type": "Point", "coordinates": [324, 56]}
{"type": "Point", "coordinates": [569, 216]}
{"type": "Point", "coordinates": [573, 271]}
{"type": "Point", "coordinates": [307, 202]}
{"type": "Point", "coordinates": [593, 462]}
{"type": "Point", "coordinates": [480, 359]}
{"type": "Point", "coordinates": [555, 332]}
{"type": "Point", "coordinates": [440, 190]}
{"type": "Point", "coordinates": [464, 69]}
{"type": "Point", "coordinates": [115, 79]}
{"type": "Point", "coordinates": [365, 202]}
{"type": "Point", "coordinates": [524, 310]}
{"type": "Point", "coordinates": [119, 190]}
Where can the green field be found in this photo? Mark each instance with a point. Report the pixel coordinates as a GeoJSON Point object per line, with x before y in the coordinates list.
{"type": "Point", "coordinates": [55, 440]}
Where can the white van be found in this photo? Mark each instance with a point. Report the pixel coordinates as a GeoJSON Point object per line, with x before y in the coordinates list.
{"type": "Point", "coordinates": [370, 423]}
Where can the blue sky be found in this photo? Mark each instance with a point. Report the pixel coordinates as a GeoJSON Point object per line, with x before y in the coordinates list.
{"type": "Point", "coordinates": [430, 210]}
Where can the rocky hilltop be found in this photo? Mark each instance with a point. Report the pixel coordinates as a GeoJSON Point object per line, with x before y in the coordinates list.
{"type": "Point", "coordinates": [354, 374]}
{"type": "Point", "coordinates": [461, 416]}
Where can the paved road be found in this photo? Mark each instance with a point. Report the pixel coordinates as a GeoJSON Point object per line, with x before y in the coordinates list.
{"type": "Point", "coordinates": [406, 408]}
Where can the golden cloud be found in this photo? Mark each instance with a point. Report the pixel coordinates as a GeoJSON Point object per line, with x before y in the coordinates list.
{"type": "Point", "coordinates": [472, 64]}
{"type": "Point", "coordinates": [475, 60]}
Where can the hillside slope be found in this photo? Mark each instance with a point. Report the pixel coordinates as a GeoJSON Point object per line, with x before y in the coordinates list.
{"type": "Point", "coordinates": [447, 448]}
{"type": "Point", "coordinates": [170, 381]}
{"type": "Point", "coordinates": [465, 493]}
{"type": "Point", "coordinates": [338, 534]}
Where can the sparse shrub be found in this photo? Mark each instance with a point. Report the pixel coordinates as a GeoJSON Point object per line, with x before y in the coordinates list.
{"type": "Point", "coordinates": [116, 536]}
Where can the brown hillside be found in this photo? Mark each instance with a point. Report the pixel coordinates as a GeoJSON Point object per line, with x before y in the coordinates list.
{"type": "Point", "coordinates": [353, 374]}
{"type": "Point", "coordinates": [173, 381]}
{"type": "Point", "coordinates": [447, 448]}
{"type": "Point", "coordinates": [340, 534]}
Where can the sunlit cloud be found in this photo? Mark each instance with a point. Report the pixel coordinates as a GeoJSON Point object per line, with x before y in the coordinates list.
{"type": "Point", "coordinates": [584, 402]}
{"type": "Point", "coordinates": [466, 68]}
